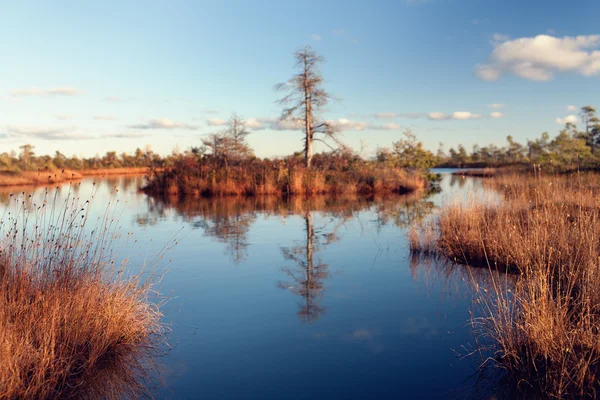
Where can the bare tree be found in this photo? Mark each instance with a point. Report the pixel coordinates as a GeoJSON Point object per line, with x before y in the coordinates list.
{"type": "Point", "coordinates": [216, 143]}
{"type": "Point", "coordinates": [230, 144]}
{"type": "Point", "coordinates": [305, 96]}
{"type": "Point", "coordinates": [237, 133]}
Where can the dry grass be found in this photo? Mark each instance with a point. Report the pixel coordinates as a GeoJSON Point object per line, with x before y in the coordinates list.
{"type": "Point", "coordinates": [73, 324]}
{"type": "Point", "coordinates": [546, 329]}
{"type": "Point", "coordinates": [114, 171]}
{"type": "Point", "coordinates": [192, 178]}
{"type": "Point", "coordinates": [51, 177]}
{"type": "Point", "coordinates": [35, 178]}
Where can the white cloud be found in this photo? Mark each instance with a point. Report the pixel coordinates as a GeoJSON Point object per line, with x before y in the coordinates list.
{"type": "Point", "coordinates": [496, 106]}
{"type": "Point", "coordinates": [438, 116]}
{"type": "Point", "coordinates": [387, 127]}
{"type": "Point", "coordinates": [163, 123]}
{"type": "Point", "coordinates": [46, 133]}
{"type": "Point", "coordinates": [254, 123]}
{"type": "Point", "coordinates": [51, 92]}
{"type": "Point", "coordinates": [386, 115]}
{"type": "Point", "coordinates": [215, 122]}
{"type": "Point", "coordinates": [496, 115]}
{"type": "Point", "coordinates": [64, 117]}
{"type": "Point", "coordinates": [571, 119]}
{"type": "Point", "coordinates": [456, 115]}
{"type": "Point", "coordinates": [344, 124]}
{"type": "Point", "coordinates": [539, 58]}
{"type": "Point", "coordinates": [338, 32]}
{"type": "Point", "coordinates": [464, 115]}
{"type": "Point", "coordinates": [571, 108]}
{"type": "Point", "coordinates": [316, 37]}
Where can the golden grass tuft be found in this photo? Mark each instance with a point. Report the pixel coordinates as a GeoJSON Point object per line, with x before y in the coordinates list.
{"type": "Point", "coordinates": [72, 325]}
{"type": "Point", "coordinates": [546, 328]}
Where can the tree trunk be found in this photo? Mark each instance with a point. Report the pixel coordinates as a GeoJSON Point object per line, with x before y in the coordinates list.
{"type": "Point", "coordinates": [308, 154]}
{"type": "Point", "coordinates": [309, 261]}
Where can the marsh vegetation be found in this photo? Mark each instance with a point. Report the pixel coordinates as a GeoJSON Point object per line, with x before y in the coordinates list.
{"type": "Point", "coordinates": [74, 323]}
{"type": "Point", "coordinates": [545, 230]}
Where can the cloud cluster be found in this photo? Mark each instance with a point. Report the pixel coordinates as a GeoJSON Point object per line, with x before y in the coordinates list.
{"type": "Point", "coordinates": [440, 116]}
{"type": "Point", "coordinates": [457, 115]}
{"type": "Point", "coordinates": [385, 115]}
{"type": "Point", "coordinates": [215, 122]}
{"type": "Point", "coordinates": [539, 58]}
{"type": "Point", "coordinates": [342, 124]}
{"type": "Point", "coordinates": [51, 92]}
{"type": "Point", "coordinates": [571, 108]}
{"type": "Point", "coordinates": [163, 123]}
{"type": "Point", "coordinates": [496, 106]}
{"type": "Point", "coordinates": [571, 119]}
{"type": "Point", "coordinates": [46, 133]}
{"type": "Point", "coordinates": [61, 133]}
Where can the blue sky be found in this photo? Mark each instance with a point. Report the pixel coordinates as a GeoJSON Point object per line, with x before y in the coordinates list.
{"type": "Point", "coordinates": [88, 77]}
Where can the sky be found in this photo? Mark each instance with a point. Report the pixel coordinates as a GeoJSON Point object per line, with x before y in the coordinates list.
{"type": "Point", "coordinates": [88, 77]}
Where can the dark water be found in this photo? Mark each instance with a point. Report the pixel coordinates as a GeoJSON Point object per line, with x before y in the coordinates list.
{"type": "Point", "coordinates": [314, 299]}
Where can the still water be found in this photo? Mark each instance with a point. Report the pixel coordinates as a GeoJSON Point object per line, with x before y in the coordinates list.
{"type": "Point", "coordinates": [314, 299]}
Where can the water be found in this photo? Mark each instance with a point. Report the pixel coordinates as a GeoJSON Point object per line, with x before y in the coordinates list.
{"type": "Point", "coordinates": [310, 299]}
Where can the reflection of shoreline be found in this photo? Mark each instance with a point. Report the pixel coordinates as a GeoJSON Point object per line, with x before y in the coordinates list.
{"type": "Point", "coordinates": [229, 220]}
{"type": "Point", "coordinates": [205, 207]}
{"type": "Point", "coordinates": [127, 182]}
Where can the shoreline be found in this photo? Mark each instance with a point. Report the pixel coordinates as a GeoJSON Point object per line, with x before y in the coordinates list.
{"type": "Point", "coordinates": [44, 177]}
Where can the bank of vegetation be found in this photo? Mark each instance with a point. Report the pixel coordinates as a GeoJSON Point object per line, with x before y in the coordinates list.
{"type": "Point", "coordinates": [544, 329]}
{"type": "Point", "coordinates": [73, 324]}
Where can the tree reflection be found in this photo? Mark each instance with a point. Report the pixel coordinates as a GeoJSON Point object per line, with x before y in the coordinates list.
{"type": "Point", "coordinates": [229, 221]}
{"type": "Point", "coordinates": [307, 277]}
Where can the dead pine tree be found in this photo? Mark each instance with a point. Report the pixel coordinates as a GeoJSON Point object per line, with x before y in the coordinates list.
{"type": "Point", "coordinates": [305, 97]}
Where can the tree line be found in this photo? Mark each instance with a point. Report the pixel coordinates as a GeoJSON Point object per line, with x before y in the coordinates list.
{"type": "Point", "coordinates": [571, 147]}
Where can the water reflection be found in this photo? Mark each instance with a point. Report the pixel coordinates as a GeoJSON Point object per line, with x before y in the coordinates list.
{"type": "Point", "coordinates": [306, 278]}
{"type": "Point", "coordinates": [229, 221]}
{"type": "Point", "coordinates": [324, 277]}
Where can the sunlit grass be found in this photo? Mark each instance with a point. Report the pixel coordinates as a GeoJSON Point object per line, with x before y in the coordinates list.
{"type": "Point", "coordinates": [546, 329]}
{"type": "Point", "coordinates": [73, 322]}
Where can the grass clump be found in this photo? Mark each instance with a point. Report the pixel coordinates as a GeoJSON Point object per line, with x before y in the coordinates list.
{"type": "Point", "coordinates": [73, 322]}
{"type": "Point", "coordinates": [544, 328]}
